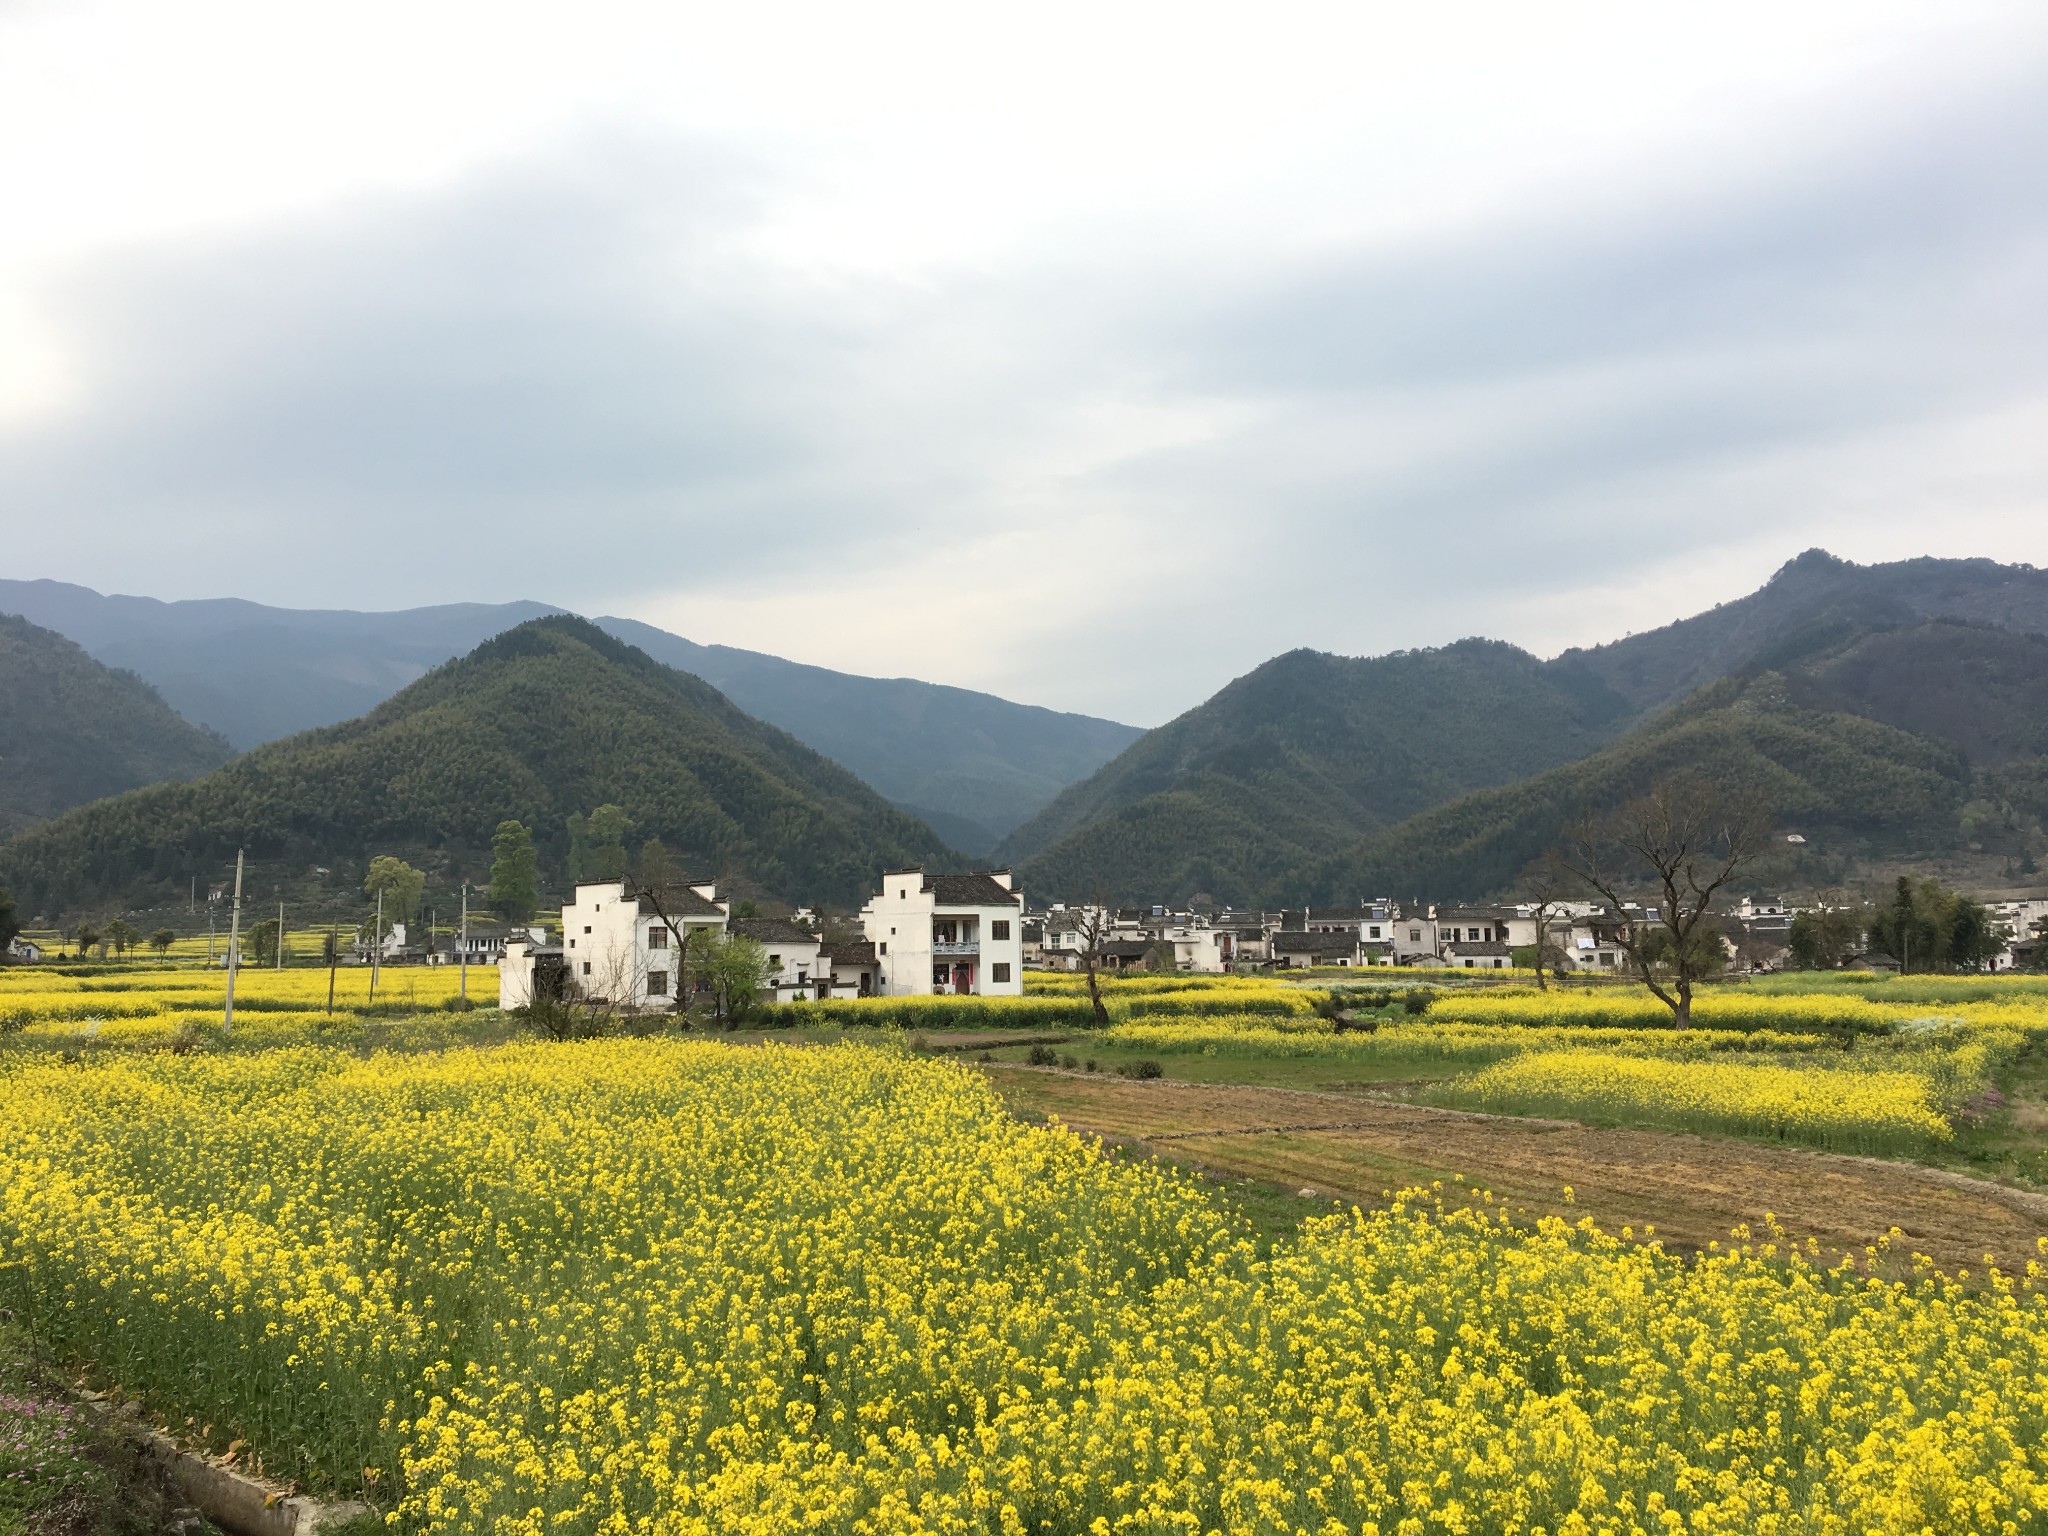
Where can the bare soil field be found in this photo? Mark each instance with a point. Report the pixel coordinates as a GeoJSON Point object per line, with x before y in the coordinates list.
{"type": "Point", "coordinates": [1690, 1190]}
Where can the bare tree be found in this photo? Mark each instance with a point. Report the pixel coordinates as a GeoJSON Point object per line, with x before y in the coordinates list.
{"type": "Point", "coordinates": [1683, 841]}
{"type": "Point", "coordinates": [1544, 881]}
{"type": "Point", "coordinates": [1091, 932]}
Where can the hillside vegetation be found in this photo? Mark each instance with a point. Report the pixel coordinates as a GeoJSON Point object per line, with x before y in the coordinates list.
{"type": "Point", "coordinates": [1842, 782]}
{"type": "Point", "coordinates": [548, 719]}
{"type": "Point", "coordinates": [1247, 796]}
{"type": "Point", "coordinates": [1305, 752]}
{"type": "Point", "coordinates": [73, 730]}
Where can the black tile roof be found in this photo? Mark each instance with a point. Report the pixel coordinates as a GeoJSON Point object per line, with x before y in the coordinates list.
{"type": "Point", "coordinates": [1314, 943]}
{"type": "Point", "coordinates": [771, 930]}
{"type": "Point", "coordinates": [1477, 950]}
{"type": "Point", "coordinates": [678, 901]}
{"type": "Point", "coordinates": [862, 953]}
{"type": "Point", "coordinates": [970, 891]}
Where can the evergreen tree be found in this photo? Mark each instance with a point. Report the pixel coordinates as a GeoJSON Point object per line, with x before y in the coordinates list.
{"type": "Point", "coordinates": [10, 923]}
{"type": "Point", "coordinates": [655, 867]}
{"type": "Point", "coordinates": [515, 873]}
{"type": "Point", "coordinates": [597, 844]}
{"type": "Point", "coordinates": [401, 885]}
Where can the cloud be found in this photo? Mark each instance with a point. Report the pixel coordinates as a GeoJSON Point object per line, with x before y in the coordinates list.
{"type": "Point", "coordinates": [1107, 467]}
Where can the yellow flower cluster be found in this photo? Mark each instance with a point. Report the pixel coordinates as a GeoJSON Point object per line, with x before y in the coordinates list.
{"type": "Point", "coordinates": [1717, 1008]}
{"type": "Point", "coordinates": [671, 1286]}
{"type": "Point", "coordinates": [1858, 1111]}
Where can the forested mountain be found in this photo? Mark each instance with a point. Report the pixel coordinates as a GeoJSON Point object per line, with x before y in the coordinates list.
{"type": "Point", "coordinates": [1246, 795]}
{"type": "Point", "coordinates": [1813, 602]}
{"type": "Point", "coordinates": [1302, 754]}
{"type": "Point", "coordinates": [549, 719]}
{"type": "Point", "coordinates": [255, 673]}
{"type": "Point", "coordinates": [973, 762]}
{"type": "Point", "coordinates": [970, 764]}
{"type": "Point", "coordinates": [1847, 785]}
{"type": "Point", "coordinates": [73, 730]}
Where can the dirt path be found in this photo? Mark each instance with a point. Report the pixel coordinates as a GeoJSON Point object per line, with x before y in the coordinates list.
{"type": "Point", "coordinates": [1692, 1189]}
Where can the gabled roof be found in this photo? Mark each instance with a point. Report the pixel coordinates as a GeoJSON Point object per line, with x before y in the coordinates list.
{"type": "Point", "coordinates": [970, 891]}
{"type": "Point", "coordinates": [677, 900]}
{"type": "Point", "coordinates": [862, 953]}
{"type": "Point", "coordinates": [771, 930]}
{"type": "Point", "coordinates": [1477, 950]}
{"type": "Point", "coordinates": [1315, 943]}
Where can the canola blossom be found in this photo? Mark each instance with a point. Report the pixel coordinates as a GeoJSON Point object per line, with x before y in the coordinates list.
{"type": "Point", "coordinates": [1853, 1111]}
{"type": "Point", "coordinates": [663, 1285]}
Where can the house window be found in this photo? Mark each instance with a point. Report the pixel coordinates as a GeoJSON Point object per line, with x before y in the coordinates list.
{"type": "Point", "coordinates": [657, 938]}
{"type": "Point", "coordinates": [1468, 965]}
{"type": "Point", "coordinates": [1001, 970]}
{"type": "Point", "coordinates": [883, 947]}
{"type": "Point", "coordinates": [572, 943]}
{"type": "Point", "coordinates": [999, 931]}
{"type": "Point", "coordinates": [1374, 931]}
{"type": "Point", "coordinates": [586, 928]}
{"type": "Point", "coordinates": [1414, 935]}
{"type": "Point", "coordinates": [586, 967]}
{"type": "Point", "coordinates": [657, 983]}
{"type": "Point", "coordinates": [775, 962]}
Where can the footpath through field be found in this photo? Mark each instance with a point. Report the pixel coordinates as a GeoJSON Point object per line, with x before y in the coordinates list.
{"type": "Point", "coordinates": [1693, 1190]}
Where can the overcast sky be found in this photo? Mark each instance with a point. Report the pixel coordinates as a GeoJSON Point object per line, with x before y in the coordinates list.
{"type": "Point", "coordinates": [1088, 354]}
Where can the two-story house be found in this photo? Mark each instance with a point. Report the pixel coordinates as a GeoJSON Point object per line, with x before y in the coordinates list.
{"type": "Point", "coordinates": [798, 966]}
{"type": "Point", "coordinates": [947, 933]}
{"type": "Point", "coordinates": [621, 943]}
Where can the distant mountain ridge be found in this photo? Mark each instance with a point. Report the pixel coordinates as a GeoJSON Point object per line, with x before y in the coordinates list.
{"type": "Point", "coordinates": [73, 729]}
{"type": "Point", "coordinates": [545, 720]}
{"type": "Point", "coordinates": [1302, 754]}
{"type": "Point", "coordinates": [1860, 664]}
{"type": "Point", "coordinates": [970, 764]}
{"type": "Point", "coordinates": [973, 762]}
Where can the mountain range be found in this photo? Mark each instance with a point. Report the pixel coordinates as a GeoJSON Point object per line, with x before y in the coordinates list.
{"type": "Point", "coordinates": [551, 718]}
{"type": "Point", "coordinates": [972, 764]}
{"type": "Point", "coordinates": [1884, 713]}
{"type": "Point", "coordinates": [1886, 705]}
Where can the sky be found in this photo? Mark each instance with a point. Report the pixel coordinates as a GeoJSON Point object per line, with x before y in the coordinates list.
{"type": "Point", "coordinates": [1086, 354]}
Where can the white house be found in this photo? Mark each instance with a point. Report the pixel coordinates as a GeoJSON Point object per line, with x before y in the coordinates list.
{"type": "Point", "coordinates": [797, 964]}
{"type": "Point", "coordinates": [616, 945]}
{"type": "Point", "coordinates": [946, 933]}
{"type": "Point", "coordinates": [24, 951]}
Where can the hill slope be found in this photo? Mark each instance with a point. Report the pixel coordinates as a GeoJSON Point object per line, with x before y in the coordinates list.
{"type": "Point", "coordinates": [971, 764]}
{"type": "Point", "coordinates": [977, 763]}
{"type": "Point", "coordinates": [1306, 752]}
{"type": "Point", "coordinates": [256, 673]}
{"type": "Point", "coordinates": [1845, 783]}
{"type": "Point", "coordinates": [1813, 602]}
{"type": "Point", "coordinates": [72, 730]}
{"type": "Point", "coordinates": [548, 719]}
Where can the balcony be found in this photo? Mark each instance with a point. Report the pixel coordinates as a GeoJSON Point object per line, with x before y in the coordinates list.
{"type": "Point", "coordinates": [968, 947]}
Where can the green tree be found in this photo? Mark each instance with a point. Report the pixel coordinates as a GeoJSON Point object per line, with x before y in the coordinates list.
{"type": "Point", "coordinates": [261, 939]}
{"type": "Point", "coordinates": [597, 844]}
{"type": "Point", "coordinates": [10, 923]}
{"type": "Point", "coordinates": [515, 873]}
{"type": "Point", "coordinates": [400, 884]}
{"type": "Point", "coordinates": [1928, 927]}
{"type": "Point", "coordinates": [727, 971]}
{"type": "Point", "coordinates": [161, 941]}
{"type": "Point", "coordinates": [655, 867]}
{"type": "Point", "coordinates": [121, 935]}
{"type": "Point", "coordinates": [1821, 938]}
{"type": "Point", "coordinates": [87, 936]}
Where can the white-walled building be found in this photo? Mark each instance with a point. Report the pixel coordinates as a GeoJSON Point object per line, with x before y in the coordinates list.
{"type": "Point", "coordinates": [797, 964]}
{"type": "Point", "coordinates": [946, 933]}
{"type": "Point", "coordinates": [616, 946]}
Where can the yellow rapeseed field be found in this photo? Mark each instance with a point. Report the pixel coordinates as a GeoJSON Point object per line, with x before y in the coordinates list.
{"type": "Point", "coordinates": [670, 1286]}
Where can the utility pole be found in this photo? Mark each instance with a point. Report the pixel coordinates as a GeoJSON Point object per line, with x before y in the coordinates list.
{"type": "Point", "coordinates": [280, 935]}
{"type": "Point", "coordinates": [462, 941]}
{"type": "Point", "coordinates": [192, 897]}
{"type": "Point", "coordinates": [234, 959]}
{"type": "Point", "coordinates": [333, 959]}
{"type": "Point", "coordinates": [209, 930]}
{"type": "Point", "coordinates": [376, 946]}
